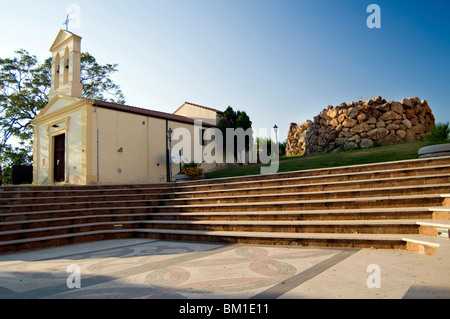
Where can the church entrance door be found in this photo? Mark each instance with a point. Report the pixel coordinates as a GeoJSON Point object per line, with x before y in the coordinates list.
{"type": "Point", "coordinates": [59, 156]}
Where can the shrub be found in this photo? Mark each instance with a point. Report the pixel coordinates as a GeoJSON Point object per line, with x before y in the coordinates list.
{"type": "Point", "coordinates": [192, 169]}
{"type": "Point", "coordinates": [440, 133]}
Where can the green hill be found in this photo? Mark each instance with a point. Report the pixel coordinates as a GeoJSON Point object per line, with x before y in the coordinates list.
{"type": "Point", "coordinates": [378, 154]}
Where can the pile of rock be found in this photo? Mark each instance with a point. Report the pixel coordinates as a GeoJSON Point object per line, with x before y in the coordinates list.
{"type": "Point", "coordinates": [361, 124]}
{"type": "Point", "coordinates": [295, 144]}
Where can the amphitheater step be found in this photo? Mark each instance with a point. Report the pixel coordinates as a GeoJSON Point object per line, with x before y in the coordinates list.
{"type": "Point", "coordinates": [442, 213]}
{"type": "Point", "coordinates": [434, 227]}
{"type": "Point", "coordinates": [22, 204]}
{"type": "Point", "coordinates": [293, 179]}
{"type": "Point", "coordinates": [349, 227]}
{"type": "Point", "coordinates": [37, 192]}
{"type": "Point", "coordinates": [409, 181]}
{"type": "Point", "coordinates": [409, 166]}
{"type": "Point", "coordinates": [76, 198]}
{"type": "Point", "coordinates": [439, 167]}
{"type": "Point", "coordinates": [317, 200]}
{"type": "Point", "coordinates": [353, 227]}
{"type": "Point", "coordinates": [304, 239]}
{"type": "Point", "coordinates": [244, 196]}
{"type": "Point", "coordinates": [429, 200]}
{"type": "Point", "coordinates": [9, 198]}
{"type": "Point", "coordinates": [42, 227]}
{"type": "Point", "coordinates": [60, 218]}
{"type": "Point", "coordinates": [417, 243]}
{"type": "Point", "coordinates": [303, 184]}
{"type": "Point", "coordinates": [336, 214]}
{"type": "Point", "coordinates": [397, 205]}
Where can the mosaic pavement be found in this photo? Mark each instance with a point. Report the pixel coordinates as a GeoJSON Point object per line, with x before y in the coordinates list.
{"type": "Point", "coordinates": [128, 269]}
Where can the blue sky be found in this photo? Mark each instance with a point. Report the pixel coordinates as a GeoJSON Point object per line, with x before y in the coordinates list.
{"type": "Point", "coordinates": [280, 61]}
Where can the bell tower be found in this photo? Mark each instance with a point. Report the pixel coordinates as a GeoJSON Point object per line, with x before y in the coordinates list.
{"type": "Point", "coordinates": [66, 65]}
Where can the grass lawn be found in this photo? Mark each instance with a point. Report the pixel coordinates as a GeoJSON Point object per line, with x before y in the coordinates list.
{"type": "Point", "coordinates": [378, 154]}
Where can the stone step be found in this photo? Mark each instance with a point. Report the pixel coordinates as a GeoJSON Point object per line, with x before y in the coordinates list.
{"type": "Point", "coordinates": [378, 170]}
{"type": "Point", "coordinates": [86, 191]}
{"type": "Point", "coordinates": [338, 187]}
{"type": "Point", "coordinates": [434, 227]}
{"type": "Point", "coordinates": [441, 213]}
{"type": "Point", "coordinates": [69, 188]}
{"type": "Point", "coordinates": [341, 227]}
{"type": "Point", "coordinates": [26, 201]}
{"type": "Point", "coordinates": [51, 227]}
{"type": "Point", "coordinates": [337, 182]}
{"type": "Point", "coordinates": [429, 200]}
{"type": "Point", "coordinates": [287, 225]}
{"type": "Point", "coordinates": [74, 213]}
{"type": "Point", "coordinates": [288, 202]}
{"type": "Point", "coordinates": [338, 227]}
{"type": "Point", "coordinates": [302, 180]}
{"type": "Point", "coordinates": [411, 242]}
{"type": "Point", "coordinates": [328, 186]}
{"type": "Point", "coordinates": [77, 205]}
{"type": "Point", "coordinates": [234, 195]}
{"type": "Point", "coordinates": [256, 196]}
{"type": "Point", "coordinates": [70, 221]}
{"type": "Point", "coordinates": [68, 217]}
{"type": "Point", "coordinates": [423, 244]}
{"type": "Point", "coordinates": [418, 164]}
{"type": "Point", "coordinates": [334, 214]}
{"type": "Point", "coordinates": [418, 243]}
{"type": "Point", "coordinates": [61, 240]}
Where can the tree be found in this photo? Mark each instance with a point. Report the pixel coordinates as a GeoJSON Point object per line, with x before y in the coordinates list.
{"type": "Point", "coordinates": [96, 80]}
{"type": "Point", "coordinates": [235, 119]}
{"type": "Point", "coordinates": [14, 156]}
{"type": "Point", "coordinates": [264, 145]}
{"type": "Point", "coordinates": [24, 87]}
{"type": "Point", "coordinates": [439, 134]}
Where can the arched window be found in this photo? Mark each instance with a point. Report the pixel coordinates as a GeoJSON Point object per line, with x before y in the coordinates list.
{"type": "Point", "coordinates": [66, 66]}
{"type": "Point", "coordinates": [57, 70]}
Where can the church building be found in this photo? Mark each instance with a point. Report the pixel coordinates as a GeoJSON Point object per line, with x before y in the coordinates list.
{"type": "Point", "coordinates": [84, 141]}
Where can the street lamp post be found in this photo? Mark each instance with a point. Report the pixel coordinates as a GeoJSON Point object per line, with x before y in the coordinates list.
{"type": "Point", "coordinates": [169, 138]}
{"type": "Point", "coordinates": [276, 133]}
{"type": "Point", "coordinates": [277, 147]}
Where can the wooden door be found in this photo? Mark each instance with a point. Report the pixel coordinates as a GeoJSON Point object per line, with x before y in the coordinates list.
{"type": "Point", "coordinates": [59, 156]}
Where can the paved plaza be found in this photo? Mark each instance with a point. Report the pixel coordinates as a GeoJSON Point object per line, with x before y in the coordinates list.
{"type": "Point", "coordinates": [157, 269]}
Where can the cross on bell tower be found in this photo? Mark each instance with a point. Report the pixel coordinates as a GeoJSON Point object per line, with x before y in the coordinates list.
{"type": "Point", "coordinates": [66, 23]}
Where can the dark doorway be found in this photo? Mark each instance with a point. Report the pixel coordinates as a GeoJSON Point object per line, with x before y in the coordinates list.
{"type": "Point", "coordinates": [59, 156]}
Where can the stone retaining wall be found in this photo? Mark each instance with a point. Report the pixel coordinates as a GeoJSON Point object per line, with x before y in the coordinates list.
{"type": "Point", "coordinates": [361, 124]}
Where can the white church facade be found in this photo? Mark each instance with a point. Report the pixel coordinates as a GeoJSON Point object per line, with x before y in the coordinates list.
{"type": "Point", "coordinates": [83, 141]}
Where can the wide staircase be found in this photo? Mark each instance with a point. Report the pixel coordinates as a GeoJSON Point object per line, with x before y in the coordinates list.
{"type": "Point", "coordinates": [395, 205]}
